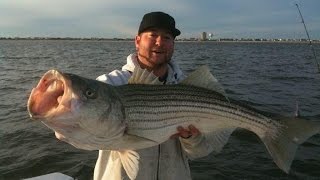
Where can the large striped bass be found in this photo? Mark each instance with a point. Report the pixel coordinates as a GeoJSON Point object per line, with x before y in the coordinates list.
{"type": "Point", "coordinates": [92, 115]}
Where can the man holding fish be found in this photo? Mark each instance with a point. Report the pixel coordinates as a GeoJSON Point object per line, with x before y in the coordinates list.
{"type": "Point", "coordinates": [135, 117]}
{"type": "Point", "coordinates": [169, 160]}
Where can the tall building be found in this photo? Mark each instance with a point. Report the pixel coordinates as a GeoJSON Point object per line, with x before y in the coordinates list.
{"type": "Point", "coordinates": [203, 36]}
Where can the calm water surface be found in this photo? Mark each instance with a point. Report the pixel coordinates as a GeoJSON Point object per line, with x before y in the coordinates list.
{"type": "Point", "coordinates": [271, 77]}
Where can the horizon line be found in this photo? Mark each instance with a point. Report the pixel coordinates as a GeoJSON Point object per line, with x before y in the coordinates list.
{"type": "Point", "coordinates": [178, 39]}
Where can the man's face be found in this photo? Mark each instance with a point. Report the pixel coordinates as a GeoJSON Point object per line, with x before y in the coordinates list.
{"type": "Point", "coordinates": [154, 47]}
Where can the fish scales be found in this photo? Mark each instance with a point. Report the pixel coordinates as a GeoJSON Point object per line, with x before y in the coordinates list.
{"type": "Point", "coordinates": [180, 91]}
{"type": "Point", "coordinates": [154, 107]}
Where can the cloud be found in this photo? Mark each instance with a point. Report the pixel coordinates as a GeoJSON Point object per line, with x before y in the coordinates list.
{"type": "Point", "coordinates": [119, 18]}
{"type": "Point", "coordinates": [112, 17]}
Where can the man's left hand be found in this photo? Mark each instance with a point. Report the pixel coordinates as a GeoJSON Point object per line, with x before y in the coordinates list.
{"type": "Point", "coordinates": [186, 132]}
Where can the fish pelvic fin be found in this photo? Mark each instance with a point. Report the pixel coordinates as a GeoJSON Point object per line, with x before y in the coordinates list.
{"type": "Point", "coordinates": [202, 77]}
{"type": "Point", "coordinates": [143, 76]}
{"type": "Point", "coordinates": [293, 132]}
{"type": "Point", "coordinates": [130, 162]}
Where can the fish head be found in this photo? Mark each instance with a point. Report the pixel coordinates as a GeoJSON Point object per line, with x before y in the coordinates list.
{"type": "Point", "coordinates": [83, 112]}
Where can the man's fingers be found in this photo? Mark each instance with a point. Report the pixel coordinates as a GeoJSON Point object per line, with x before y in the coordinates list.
{"type": "Point", "coordinates": [186, 133]}
{"type": "Point", "coordinates": [194, 130]}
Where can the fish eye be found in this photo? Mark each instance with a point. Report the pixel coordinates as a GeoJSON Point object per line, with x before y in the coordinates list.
{"type": "Point", "coordinates": [90, 93]}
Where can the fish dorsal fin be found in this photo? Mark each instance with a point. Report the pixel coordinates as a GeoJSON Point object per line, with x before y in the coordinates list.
{"type": "Point", "coordinates": [143, 76]}
{"type": "Point", "coordinates": [130, 162]}
{"type": "Point", "coordinates": [202, 77]}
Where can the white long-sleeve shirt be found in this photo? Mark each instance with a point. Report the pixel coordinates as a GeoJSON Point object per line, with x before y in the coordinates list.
{"type": "Point", "coordinates": [166, 161]}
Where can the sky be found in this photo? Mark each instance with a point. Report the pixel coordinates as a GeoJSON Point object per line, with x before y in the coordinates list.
{"type": "Point", "coordinates": [121, 18]}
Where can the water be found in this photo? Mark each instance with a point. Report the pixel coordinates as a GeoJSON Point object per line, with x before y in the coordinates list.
{"type": "Point", "coordinates": [272, 77]}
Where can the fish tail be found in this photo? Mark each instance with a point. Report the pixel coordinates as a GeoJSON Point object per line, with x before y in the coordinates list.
{"type": "Point", "coordinates": [282, 146]}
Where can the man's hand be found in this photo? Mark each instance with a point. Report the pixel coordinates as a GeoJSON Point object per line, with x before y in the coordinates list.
{"type": "Point", "coordinates": [186, 133]}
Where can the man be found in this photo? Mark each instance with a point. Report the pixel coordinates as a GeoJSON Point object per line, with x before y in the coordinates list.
{"type": "Point", "coordinates": [154, 48]}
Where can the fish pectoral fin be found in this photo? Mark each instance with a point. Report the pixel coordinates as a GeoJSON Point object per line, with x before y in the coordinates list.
{"type": "Point", "coordinates": [202, 77]}
{"type": "Point", "coordinates": [129, 158]}
{"type": "Point", "coordinates": [218, 138]}
{"type": "Point", "coordinates": [130, 162]}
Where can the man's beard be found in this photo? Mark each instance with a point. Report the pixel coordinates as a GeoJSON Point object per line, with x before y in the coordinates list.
{"type": "Point", "coordinates": [154, 63]}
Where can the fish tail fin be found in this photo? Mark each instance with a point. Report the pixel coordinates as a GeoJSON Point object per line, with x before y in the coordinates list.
{"type": "Point", "coordinates": [282, 147]}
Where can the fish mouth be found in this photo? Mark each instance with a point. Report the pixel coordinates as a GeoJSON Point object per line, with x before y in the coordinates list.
{"type": "Point", "coordinates": [51, 97]}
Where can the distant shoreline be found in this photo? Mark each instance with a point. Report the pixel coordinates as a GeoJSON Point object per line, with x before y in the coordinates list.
{"type": "Point", "coordinates": [226, 40]}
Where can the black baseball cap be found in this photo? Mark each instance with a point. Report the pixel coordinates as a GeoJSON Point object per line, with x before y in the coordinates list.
{"type": "Point", "coordinates": [159, 20]}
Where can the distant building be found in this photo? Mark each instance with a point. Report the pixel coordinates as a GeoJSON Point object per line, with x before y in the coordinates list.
{"type": "Point", "coordinates": [210, 36]}
{"type": "Point", "coordinates": [203, 36]}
